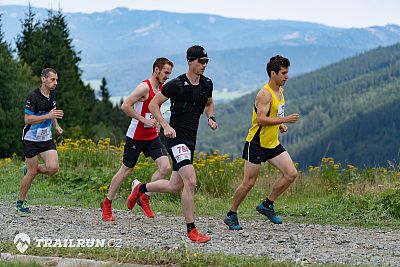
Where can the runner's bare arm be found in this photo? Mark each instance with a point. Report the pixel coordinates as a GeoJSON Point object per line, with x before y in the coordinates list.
{"type": "Point", "coordinates": [35, 119]}
{"type": "Point", "coordinates": [57, 127]}
{"type": "Point", "coordinates": [141, 93]}
{"type": "Point", "coordinates": [154, 107]}
{"type": "Point", "coordinates": [209, 111]}
{"type": "Point", "coordinates": [263, 103]}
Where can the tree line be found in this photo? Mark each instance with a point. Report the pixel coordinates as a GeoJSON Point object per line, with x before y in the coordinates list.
{"type": "Point", "coordinates": [47, 44]}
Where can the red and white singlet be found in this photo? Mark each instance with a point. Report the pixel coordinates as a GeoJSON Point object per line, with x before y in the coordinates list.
{"type": "Point", "coordinates": [137, 130]}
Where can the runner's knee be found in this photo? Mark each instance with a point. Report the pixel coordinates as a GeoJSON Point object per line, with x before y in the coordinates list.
{"type": "Point", "coordinates": [127, 172]}
{"type": "Point", "coordinates": [191, 184]}
{"type": "Point", "coordinates": [249, 183]}
{"type": "Point", "coordinates": [164, 169]}
{"type": "Point", "coordinates": [32, 172]}
{"type": "Point", "coordinates": [292, 175]}
{"type": "Point", "coordinates": [52, 169]}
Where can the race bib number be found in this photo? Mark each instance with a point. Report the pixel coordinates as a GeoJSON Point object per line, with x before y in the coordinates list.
{"type": "Point", "coordinates": [148, 116]}
{"type": "Point", "coordinates": [281, 111]}
{"type": "Point", "coordinates": [181, 152]}
{"type": "Point", "coordinates": [43, 133]}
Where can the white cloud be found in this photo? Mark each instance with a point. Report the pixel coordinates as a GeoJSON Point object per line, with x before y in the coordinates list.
{"type": "Point", "coordinates": [146, 29]}
{"type": "Point", "coordinates": [290, 36]}
{"type": "Point", "coordinates": [14, 15]}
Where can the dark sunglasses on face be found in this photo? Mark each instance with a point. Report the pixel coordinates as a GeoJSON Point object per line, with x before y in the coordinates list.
{"type": "Point", "coordinates": [202, 60]}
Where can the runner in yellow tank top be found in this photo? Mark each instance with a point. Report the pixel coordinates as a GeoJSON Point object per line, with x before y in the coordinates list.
{"type": "Point", "coordinates": [262, 144]}
{"type": "Point", "coordinates": [268, 135]}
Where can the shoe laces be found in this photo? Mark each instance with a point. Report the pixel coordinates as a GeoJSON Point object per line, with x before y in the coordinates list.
{"type": "Point", "coordinates": [234, 218]}
{"type": "Point", "coordinates": [195, 233]}
{"type": "Point", "coordinates": [196, 236]}
{"type": "Point", "coordinates": [24, 204]}
{"type": "Point", "coordinates": [144, 201]}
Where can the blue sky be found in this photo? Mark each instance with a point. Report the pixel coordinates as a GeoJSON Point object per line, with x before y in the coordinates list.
{"type": "Point", "coordinates": [340, 13]}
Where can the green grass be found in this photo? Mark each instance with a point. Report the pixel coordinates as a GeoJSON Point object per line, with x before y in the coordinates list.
{"type": "Point", "coordinates": [181, 257]}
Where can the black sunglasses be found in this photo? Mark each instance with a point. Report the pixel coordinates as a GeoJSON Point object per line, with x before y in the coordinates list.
{"type": "Point", "coordinates": [201, 60]}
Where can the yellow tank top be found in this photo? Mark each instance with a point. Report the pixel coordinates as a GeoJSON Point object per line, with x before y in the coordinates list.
{"type": "Point", "coordinates": [268, 134]}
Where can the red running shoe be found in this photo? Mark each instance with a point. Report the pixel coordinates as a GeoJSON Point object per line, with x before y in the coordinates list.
{"type": "Point", "coordinates": [197, 237]}
{"type": "Point", "coordinates": [143, 202]}
{"type": "Point", "coordinates": [135, 194]}
{"type": "Point", "coordinates": [106, 210]}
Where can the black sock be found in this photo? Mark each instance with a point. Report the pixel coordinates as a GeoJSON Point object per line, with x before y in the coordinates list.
{"type": "Point", "coordinates": [190, 226]}
{"type": "Point", "coordinates": [267, 202]}
{"type": "Point", "coordinates": [20, 201]}
{"type": "Point", "coordinates": [231, 212]}
{"type": "Point", "coordinates": [142, 188]}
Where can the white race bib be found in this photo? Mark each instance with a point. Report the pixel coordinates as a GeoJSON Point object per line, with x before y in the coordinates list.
{"type": "Point", "coordinates": [148, 116]}
{"type": "Point", "coordinates": [181, 152]}
{"type": "Point", "coordinates": [43, 133]}
{"type": "Point", "coordinates": [281, 111]}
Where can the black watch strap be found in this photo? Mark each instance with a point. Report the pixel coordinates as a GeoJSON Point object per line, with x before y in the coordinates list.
{"type": "Point", "coordinates": [212, 118]}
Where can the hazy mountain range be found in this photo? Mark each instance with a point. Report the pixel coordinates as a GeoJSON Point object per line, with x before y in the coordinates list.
{"type": "Point", "coordinates": [122, 44]}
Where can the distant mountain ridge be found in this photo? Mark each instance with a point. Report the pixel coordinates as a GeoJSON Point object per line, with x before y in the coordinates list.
{"type": "Point", "coordinates": [122, 44]}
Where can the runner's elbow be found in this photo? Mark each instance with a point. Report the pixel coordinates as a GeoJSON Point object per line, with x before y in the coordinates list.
{"type": "Point", "coordinates": [260, 122]}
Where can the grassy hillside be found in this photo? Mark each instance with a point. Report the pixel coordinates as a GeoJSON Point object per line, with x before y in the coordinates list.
{"type": "Point", "coordinates": [348, 111]}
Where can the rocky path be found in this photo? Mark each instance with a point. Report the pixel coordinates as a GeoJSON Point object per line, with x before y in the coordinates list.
{"type": "Point", "coordinates": [301, 243]}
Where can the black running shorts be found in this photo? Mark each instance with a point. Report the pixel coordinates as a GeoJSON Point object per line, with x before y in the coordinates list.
{"type": "Point", "coordinates": [256, 154]}
{"type": "Point", "coordinates": [132, 149]}
{"type": "Point", "coordinates": [32, 149]}
{"type": "Point", "coordinates": [180, 153]}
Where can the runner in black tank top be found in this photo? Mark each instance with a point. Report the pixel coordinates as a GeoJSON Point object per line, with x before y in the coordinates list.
{"type": "Point", "coordinates": [191, 95]}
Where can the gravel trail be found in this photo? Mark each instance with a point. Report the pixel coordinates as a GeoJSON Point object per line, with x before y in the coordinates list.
{"type": "Point", "coordinates": [301, 243]}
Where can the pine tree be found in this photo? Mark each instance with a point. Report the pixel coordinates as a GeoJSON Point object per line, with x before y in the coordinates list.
{"type": "Point", "coordinates": [30, 39]}
{"type": "Point", "coordinates": [15, 83]}
{"type": "Point", "coordinates": [104, 93]}
{"type": "Point", "coordinates": [110, 120]}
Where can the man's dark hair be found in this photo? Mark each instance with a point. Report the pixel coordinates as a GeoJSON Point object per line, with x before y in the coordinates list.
{"type": "Point", "coordinates": [160, 62]}
{"type": "Point", "coordinates": [45, 72]}
{"type": "Point", "coordinates": [276, 63]}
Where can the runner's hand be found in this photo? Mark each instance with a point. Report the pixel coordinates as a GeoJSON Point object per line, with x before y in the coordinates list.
{"type": "Point", "coordinates": [158, 128]}
{"type": "Point", "coordinates": [56, 114]}
{"type": "Point", "coordinates": [292, 118]}
{"type": "Point", "coordinates": [283, 128]}
{"type": "Point", "coordinates": [169, 132]}
{"type": "Point", "coordinates": [59, 130]}
{"type": "Point", "coordinates": [150, 123]}
{"type": "Point", "coordinates": [213, 124]}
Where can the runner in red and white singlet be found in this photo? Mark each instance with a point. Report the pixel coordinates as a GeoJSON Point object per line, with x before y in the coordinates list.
{"type": "Point", "coordinates": [138, 130]}
{"type": "Point", "coordinates": [142, 136]}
